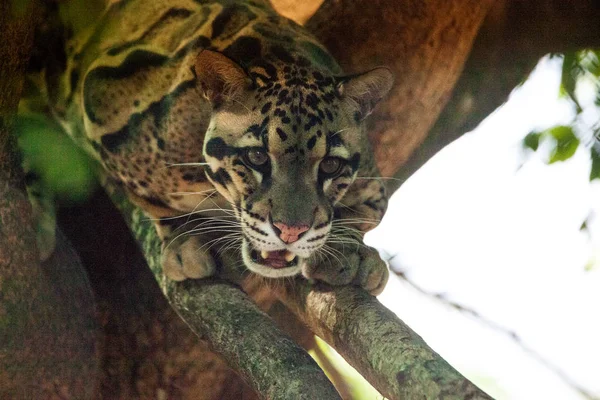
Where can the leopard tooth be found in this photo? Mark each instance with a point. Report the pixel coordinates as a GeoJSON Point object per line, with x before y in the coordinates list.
{"type": "Point", "coordinates": [264, 254]}
{"type": "Point", "coordinates": [289, 256]}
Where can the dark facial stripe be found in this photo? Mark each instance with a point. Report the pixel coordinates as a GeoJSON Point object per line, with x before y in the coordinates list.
{"type": "Point", "coordinates": [316, 238]}
{"type": "Point", "coordinates": [259, 231]}
{"type": "Point", "coordinates": [334, 140]}
{"type": "Point", "coordinates": [112, 141]}
{"type": "Point", "coordinates": [323, 225]}
{"type": "Point", "coordinates": [259, 131]}
{"type": "Point", "coordinates": [217, 148]}
{"type": "Point", "coordinates": [354, 162]}
{"type": "Point", "coordinates": [221, 176]}
{"type": "Point", "coordinates": [197, 176]}
{"type": "Point", "coordinates": [156, 202]}
{"type": "Point", "coordinates": [254, 215]}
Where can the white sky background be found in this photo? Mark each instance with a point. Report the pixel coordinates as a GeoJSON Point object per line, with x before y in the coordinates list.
{"type": "Point", "coordinates": [498, 230]}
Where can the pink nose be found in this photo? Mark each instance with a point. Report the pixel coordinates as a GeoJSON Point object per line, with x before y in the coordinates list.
{"type": "Point", "coordinates": [290, 234]}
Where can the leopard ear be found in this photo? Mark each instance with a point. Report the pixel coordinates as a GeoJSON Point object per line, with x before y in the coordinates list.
{"type": "Point", "coordinates": [366, 89]}
{"type": "Point", "coordinates": [221, 78]}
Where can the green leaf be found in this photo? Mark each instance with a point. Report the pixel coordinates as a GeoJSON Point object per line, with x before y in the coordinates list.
{"type": "Point", "coordinates": [594, 64]}
{"type": "Point", "coordinates": [63, 168]}
{"type": "Point", "coordinates": [566, 143]}
{"type": "Point", "coordinates": [532, 140]}
{"type": "Point", "coordinates": [570, 72]}
{"type": "Point", "coordinates": [595, 172]}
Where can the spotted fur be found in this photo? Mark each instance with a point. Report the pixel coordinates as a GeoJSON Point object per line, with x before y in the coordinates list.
{"type": "Point", "coordinates": [171, 95]}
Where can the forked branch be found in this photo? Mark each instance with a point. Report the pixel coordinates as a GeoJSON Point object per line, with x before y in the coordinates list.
{"type": "Point", "coordinates": [393, 358]}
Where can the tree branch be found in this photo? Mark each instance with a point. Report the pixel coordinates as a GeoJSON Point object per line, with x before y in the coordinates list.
{"type": "Point", "coordinates": [393, 358]}
{"type": "Point", "coordinates": [386, 351]}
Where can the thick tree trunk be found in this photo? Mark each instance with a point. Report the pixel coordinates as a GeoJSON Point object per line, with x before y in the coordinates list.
{"type": "Point", "coordinates": [46, 339]}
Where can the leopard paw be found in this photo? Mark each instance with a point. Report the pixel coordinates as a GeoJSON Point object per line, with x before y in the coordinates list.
{"type": "Point", "coordinates": [361, 267]}
{"type": "Point", "coordinates": [186, 259]}
{"type": "Point", "coordinates": [373, 273]}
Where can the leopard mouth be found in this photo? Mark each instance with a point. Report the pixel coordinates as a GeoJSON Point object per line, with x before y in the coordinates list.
{"type": "Point", "coordinates": [272, 264]}
{"type": "Point", "coordinates": [275, 259]}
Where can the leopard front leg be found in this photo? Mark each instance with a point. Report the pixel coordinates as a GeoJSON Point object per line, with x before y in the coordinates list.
{"type": "Point", "coordinates": [345, 259]}
{"type": "Point", "coordinates": [185, 250]}
{"type": "Point", "coordinates": [184, 255]}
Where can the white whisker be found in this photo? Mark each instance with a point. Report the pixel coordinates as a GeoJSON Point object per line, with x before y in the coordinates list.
{"type": "Point", "coordinates": [391, 178]}
{"type": "Point", "coordinates": [192, 193]}
{"type": "Point", "coordinates": [190, 164]}
{"type": "Point", "coordinates": [188, 214]}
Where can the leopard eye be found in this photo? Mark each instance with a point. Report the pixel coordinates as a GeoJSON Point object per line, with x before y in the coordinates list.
{"type": "Point", "coordinates": [256, 157]}
{"type": "Point", "coordinates": [330, 166]}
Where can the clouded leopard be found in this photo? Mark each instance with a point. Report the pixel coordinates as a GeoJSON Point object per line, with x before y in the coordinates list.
{"type": "Point", "coordinates": [222, 117]}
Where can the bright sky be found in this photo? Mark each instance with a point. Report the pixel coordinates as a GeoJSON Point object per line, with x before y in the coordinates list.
{"type": "Point", "coordinates": [496, 229]}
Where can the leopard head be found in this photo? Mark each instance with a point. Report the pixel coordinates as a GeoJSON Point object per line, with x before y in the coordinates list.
{"type": "Point", "coordinates": [283, 146]}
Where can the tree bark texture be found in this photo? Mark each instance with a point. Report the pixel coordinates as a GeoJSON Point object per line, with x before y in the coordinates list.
{"type": "Point", "coordinates": [145, 349]}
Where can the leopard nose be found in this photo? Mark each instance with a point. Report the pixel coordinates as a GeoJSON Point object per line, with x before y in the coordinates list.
{"type": "Point", "coordinates": [289, 233]}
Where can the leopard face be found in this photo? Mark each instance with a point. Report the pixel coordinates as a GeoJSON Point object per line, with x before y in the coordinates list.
{"type": "Point", "coordinates": [282, 146]}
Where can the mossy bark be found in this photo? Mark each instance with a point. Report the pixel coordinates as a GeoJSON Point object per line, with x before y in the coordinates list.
{"type": "Point", "coordinates": [390, 355]}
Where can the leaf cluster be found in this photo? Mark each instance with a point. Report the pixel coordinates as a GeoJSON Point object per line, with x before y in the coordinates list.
{"type": "Point", "coordinates": [578, 67]}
